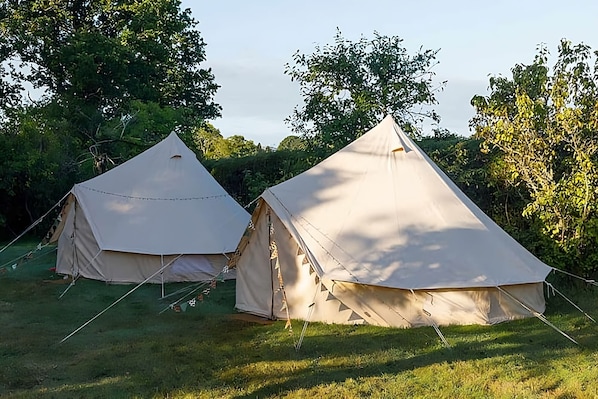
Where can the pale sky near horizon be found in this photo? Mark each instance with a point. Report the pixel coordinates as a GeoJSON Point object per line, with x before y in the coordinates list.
{"type": "Point", "coordinates": [249, 42]}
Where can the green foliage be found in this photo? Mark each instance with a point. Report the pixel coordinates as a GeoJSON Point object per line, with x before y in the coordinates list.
{"type": "Point", "coordinates": [96, 57]}
{"type": "Point", "coordinates": [9, 90]}
{"type": "Point", "coordinates": [240, 147]}
{"type": "Point", "coordinates": [292, 143]}
{"type": "Point", "coordinates": [348, 87]}
{"type": "Point", "coordinates": [544, 125]}
{"type": "Point", "coordinates": [36, 168]}
{"type": "Point", "coordinates": [100, 64]}
{"type": "Point", "coordinates": [245, 178]}
{"type": "Point", "coordinates": [210, 144]}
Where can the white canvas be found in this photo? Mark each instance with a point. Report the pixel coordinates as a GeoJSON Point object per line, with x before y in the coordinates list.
{"type": "Point", "coordinates": [160, 203]}
{"type": "Point", "coordinates": [379, 218]}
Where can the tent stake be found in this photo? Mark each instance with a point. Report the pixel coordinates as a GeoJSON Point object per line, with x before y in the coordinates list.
{"type": "Point", "coordinates": [69, 286]}
{"type": "Point", "coordinates": [428, 317]}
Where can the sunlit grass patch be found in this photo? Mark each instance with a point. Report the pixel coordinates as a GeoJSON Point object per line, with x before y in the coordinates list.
{"type": "Point", "coordinates": [132, 351]}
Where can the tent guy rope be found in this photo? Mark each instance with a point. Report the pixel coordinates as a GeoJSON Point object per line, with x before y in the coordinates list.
{"type": "Point", "coordinates": [35, 223]}
{"type": "Point", "coordinates": [553, 288]}
{"type": "Point", "coordinates": [538, 315]}
{"type": "Point", "coordinates": [120, 299]}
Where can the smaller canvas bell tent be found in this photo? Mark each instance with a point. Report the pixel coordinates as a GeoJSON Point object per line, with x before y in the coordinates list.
{"type": "Point", "coordinates": [160, 209]}
{"type": "Point", "coordinates": [378, 234]}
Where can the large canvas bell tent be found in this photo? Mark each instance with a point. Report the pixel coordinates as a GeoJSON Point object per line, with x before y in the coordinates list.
{"type": "Point", "coordinates": [378, 234]}
{"type": "Point", "coordinates": [160, 209]}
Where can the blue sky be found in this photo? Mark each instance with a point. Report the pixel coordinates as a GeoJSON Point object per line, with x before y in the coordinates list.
{"type": "Point", "coordinates": [249, 42]}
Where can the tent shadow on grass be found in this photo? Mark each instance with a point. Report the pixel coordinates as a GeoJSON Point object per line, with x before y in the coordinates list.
{"type": "Point", "coordinates": [526, 343]}
{"type": "Point", "coordinates": [131, 351]}
{"type": "Point", "coordinates": [332, 354]}
{"type": "Point", "coordinates": [326, 358]}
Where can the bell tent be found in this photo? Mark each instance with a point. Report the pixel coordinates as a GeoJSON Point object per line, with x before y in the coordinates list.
{"type": "Point", "coordinates": [378, 234]}
{"type": "Point", "coordinates": [160, 210]}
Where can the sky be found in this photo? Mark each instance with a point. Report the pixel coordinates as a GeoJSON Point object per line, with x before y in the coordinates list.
{"type": "Point", "coordinates": [249, 43]}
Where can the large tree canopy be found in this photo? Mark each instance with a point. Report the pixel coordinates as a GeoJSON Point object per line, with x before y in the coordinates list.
{"type": "Point", "coordinates": [9, 90]}
{"type": "Point", "coordinates": [348, 87]}
{"type": "Point", "coordinates": [105, 53]}
{"type": "Point", "coordinates": [545, 123]}
{"type": "Point", "coordinates": [98, 60]}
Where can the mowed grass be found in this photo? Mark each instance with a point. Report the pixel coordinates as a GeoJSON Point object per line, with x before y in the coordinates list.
{"type": "Point", "coordinates": [132, 351]}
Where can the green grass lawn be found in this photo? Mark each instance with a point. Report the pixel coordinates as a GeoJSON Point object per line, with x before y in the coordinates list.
{"type": "Point", "coordinates": [132, 351]}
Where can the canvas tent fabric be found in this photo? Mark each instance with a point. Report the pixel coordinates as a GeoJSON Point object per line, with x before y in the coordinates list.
{"type": "Point", "coordinates": [378, 234]}
{"type": "Point", "coordinates": [160, 207]}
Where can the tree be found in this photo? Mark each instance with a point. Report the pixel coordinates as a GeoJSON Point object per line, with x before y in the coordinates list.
{"type": "Point", "coordinates": [35, 169]}
{"type": "Point", "coordinates": [241, 147]}
{"type": "Point", "coordinates": [545, 126]}
{"type": "Point", "coordinates": [348, 87]}
{"type": "Point", "coordinates": [291, 143]}
{"type": "Point", "coordinates": [9, 90]}
{"type": "Point", "coordinates": [99, 62]}
{"type": "Point", "coordinates": [210, 144]}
